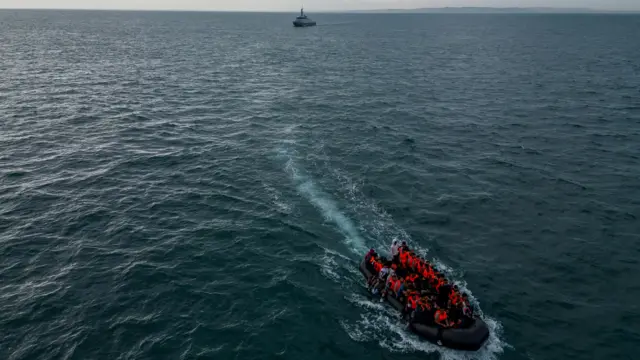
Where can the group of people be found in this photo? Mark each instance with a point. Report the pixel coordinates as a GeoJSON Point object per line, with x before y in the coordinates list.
{"type": "Point", "coordinates": [427, 296]}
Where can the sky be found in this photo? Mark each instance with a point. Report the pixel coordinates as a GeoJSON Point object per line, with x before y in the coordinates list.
{"type": "Point", "coordinates": [310, 5]}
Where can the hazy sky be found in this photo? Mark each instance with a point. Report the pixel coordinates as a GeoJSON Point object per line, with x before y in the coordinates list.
{"type": "Point", "coordinates": [310, 5]}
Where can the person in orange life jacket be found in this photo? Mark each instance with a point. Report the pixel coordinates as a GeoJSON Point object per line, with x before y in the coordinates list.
{"type": "Point", "coordinates": [371, 266]}
{"type": "Point", "coordinates": [409, 259]}
{"type": "Point", "coordinates": [424, 305]}
{"type": "Point", "coordinates": [370, 262]}
{"type": "Point", "coordinates": [412, 303]}
{"type": "Point", "coordinates": [441, 318]}
{"type": "Point", "coordinates": [419, 266]}
{"type": "Point", "coordinates": [409, 277]}
{"type": "Point", "coordinates": [402, 250]}
{"type": "Point", "coordinates": [424, 314]}
{"type": "Point", "coordinates": [394, 285]}
{"type": "Point", "coordinates": [440, 281]}
{"type": "Point", "coordinates": [427, 272]}
{"type": "Point", "coordinates": [454, 297]}
{"type": "Point", "coordinates": [378, 266]}
{"type": "Point", "coordinates": [391, 279]}
{"type": "Point", "coordinates": [404, 257]}
{"type": "Point", "coordinates": [413, 260]}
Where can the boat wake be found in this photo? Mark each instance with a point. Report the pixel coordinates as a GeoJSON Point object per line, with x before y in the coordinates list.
{"type": "Point", "coordinates": [377, 322]}
{"type": "Point", "coordinates": [328, 207]}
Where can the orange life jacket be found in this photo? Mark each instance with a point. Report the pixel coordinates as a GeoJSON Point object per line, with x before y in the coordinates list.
{"type": "Point", "coordinates": [377, 266]}
{"type": "Point", "coordinates": [441, 315]}
{"type": "Point", "coordinates": [453, 297]}
{"type": "Point", "coordinates": [412, 302]}
{"type": "Point", "coordinates": [396, 286]}
{"type": "Point", "coordinates": [424, 304]}
{"type": "Point", "coordinates": [403, 259]}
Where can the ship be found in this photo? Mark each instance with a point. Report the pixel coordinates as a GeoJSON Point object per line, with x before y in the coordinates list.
{"type": "Point", "coordinates": [303, 20]}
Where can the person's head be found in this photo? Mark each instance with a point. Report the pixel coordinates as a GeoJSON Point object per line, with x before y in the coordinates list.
{"type": "Point", "coordinates": [404, 243]}
{"type": "Point", "coordinates": [395, 242]}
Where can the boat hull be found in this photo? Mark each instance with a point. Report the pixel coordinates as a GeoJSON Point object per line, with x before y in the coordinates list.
{"type": "Point", "coordinates": [305, 24]}
{"type": "Point", "coordinates": [470, 338]}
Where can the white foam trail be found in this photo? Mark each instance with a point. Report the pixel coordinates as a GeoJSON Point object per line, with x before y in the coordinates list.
{"type": "Point", "coordinates": [327, 206]}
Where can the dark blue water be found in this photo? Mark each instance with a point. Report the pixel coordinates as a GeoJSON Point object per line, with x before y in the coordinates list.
{"type": "Point", "coordinates": [202, 186]}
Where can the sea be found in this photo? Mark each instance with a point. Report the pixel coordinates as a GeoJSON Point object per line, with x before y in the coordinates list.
{"type": "Point", "coordinates": [199, 185]}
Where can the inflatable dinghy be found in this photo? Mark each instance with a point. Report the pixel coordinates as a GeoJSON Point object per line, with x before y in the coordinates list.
{"type": "Point", "coordinates": [471, 337]}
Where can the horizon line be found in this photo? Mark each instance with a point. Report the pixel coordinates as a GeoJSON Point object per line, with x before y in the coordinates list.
{"type": "Point", "coordinates": [382, 10]}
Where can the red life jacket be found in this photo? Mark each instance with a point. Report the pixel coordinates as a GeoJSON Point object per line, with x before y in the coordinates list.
{"type": "Point", "coordinates": [403, 259]}
{"type": "Point", "coordinates": [396, 286]}
{"type": "Point", "coordinates": [377, 266]}
{"type": "Point", "coordinates": [412, 302]}
{"type": "Point", "coordinates": [454, 298]}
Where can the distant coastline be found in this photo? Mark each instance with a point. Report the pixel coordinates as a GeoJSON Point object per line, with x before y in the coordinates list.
{"type": "Point", "coordinates": [497, 10]}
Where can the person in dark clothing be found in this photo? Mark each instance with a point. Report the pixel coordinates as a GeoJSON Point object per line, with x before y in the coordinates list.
{"type": "Point", "coordinates": [425, 316]}
{"type": "Point", "coordinates": [455, 314]}
{"type": "Point", "coordinates": [371, 253]}
{"type": "Point", "coordinates": [443, 295]}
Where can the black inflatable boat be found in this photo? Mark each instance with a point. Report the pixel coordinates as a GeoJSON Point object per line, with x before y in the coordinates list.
{"type": "Point", "coordinates": [469, 338]}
